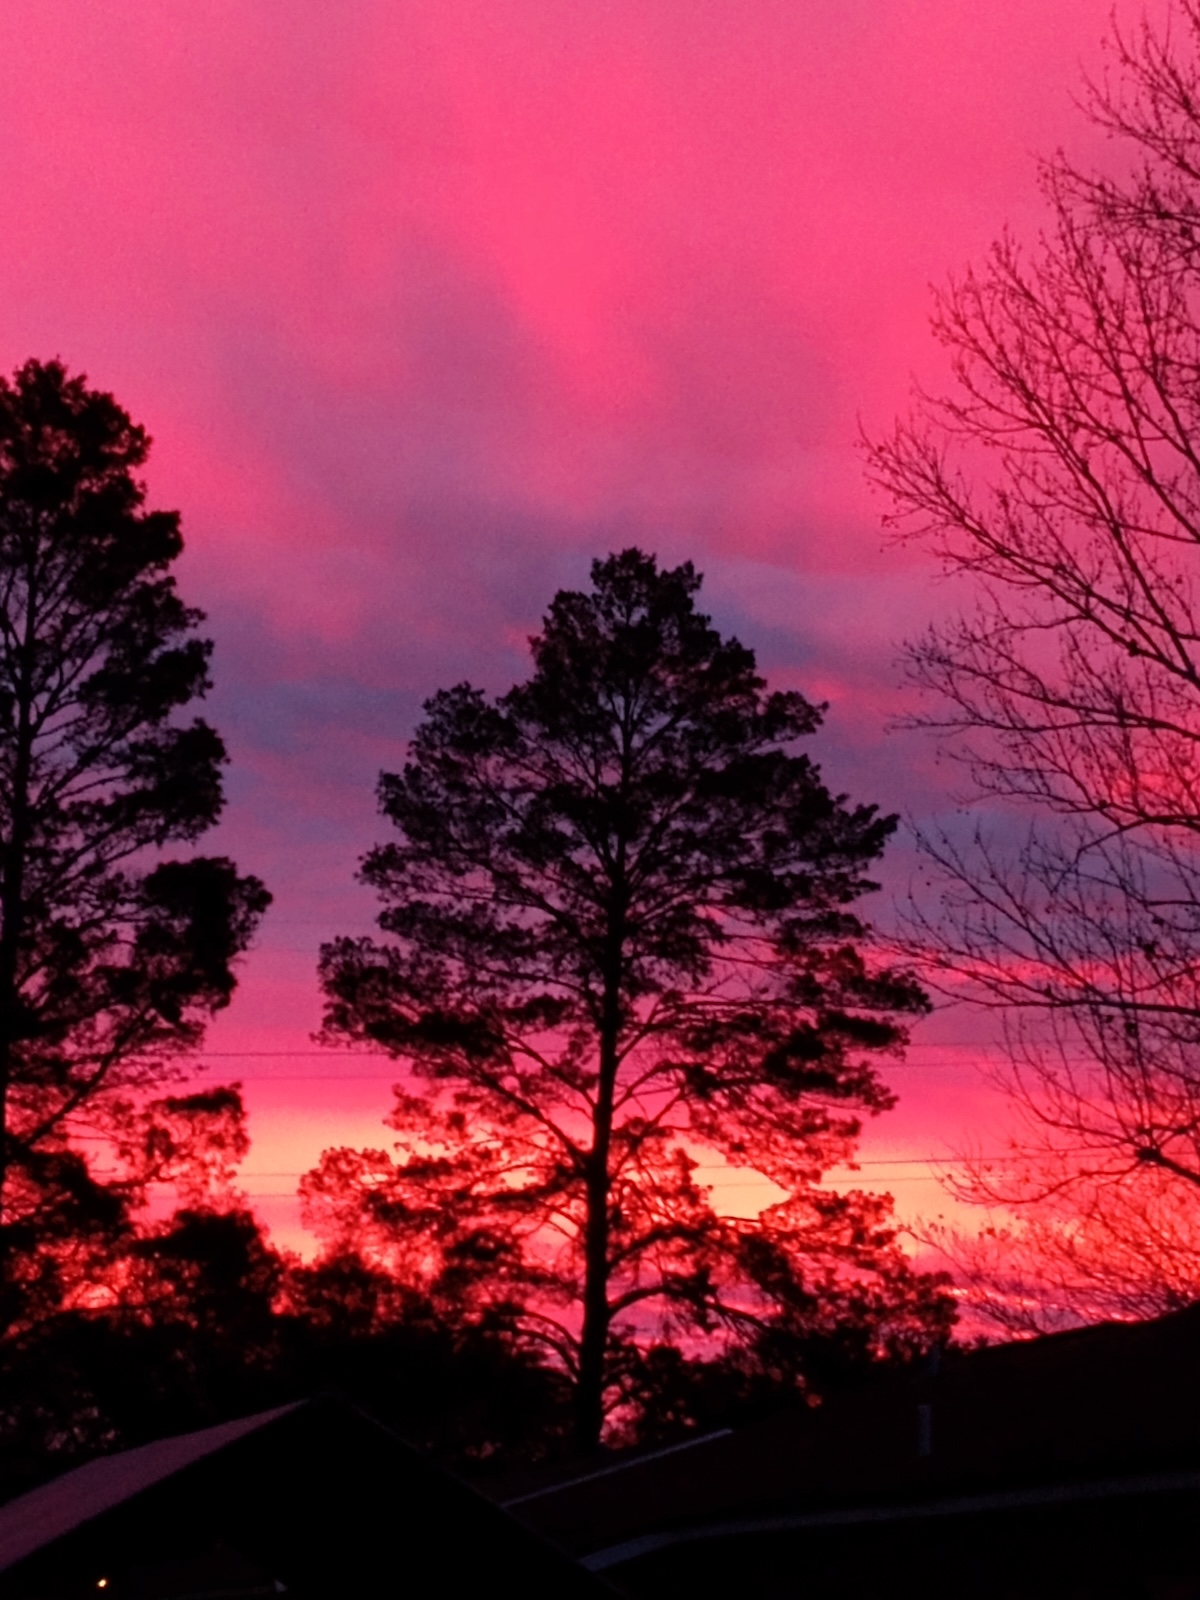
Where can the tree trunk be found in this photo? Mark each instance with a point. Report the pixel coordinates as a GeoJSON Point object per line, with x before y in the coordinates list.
{"type": "Point", "coordinates": [12, 913]}
{"type": "Point", "coordinates": [597, 1314]}
{"type": "Point", "coordinates": [593, 1341]}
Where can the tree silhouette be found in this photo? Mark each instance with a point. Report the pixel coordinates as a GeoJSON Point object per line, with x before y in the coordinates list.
{"type": "Point", "coordinates": [199, 1320]}
{"type": "Point", "coordinates": [112, 956]}
{"type": "Point", "coordinates": [620, 937]}
{"type": "Point", "coordinates": [1061, 478]}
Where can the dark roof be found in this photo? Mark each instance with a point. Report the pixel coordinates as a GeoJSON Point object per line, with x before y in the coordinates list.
{"type": "Point", "coordinates": [317, 1495]}
{"type": "Point", "coordinates": [44, 1515]}
{"type": "Point", "coordinates": [1054, 1415]}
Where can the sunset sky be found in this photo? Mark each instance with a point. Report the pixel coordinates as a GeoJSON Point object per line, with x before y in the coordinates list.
{"type": "Point", "coordinates": [426, 303]}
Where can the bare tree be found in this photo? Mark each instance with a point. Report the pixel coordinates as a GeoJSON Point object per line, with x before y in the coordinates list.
{"type": "Point", "coordinates": [1061, 480]}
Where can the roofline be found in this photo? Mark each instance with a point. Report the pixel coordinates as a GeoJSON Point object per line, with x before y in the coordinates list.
{"type": "Point", "coordinates": [84, 1493]}
{"type": "Point", "coordinates": [564, 1484]}
{"type": "Point", "coordinates": [956, 1506]}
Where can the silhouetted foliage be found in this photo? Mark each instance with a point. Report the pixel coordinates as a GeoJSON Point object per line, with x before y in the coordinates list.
{"type": "Point", "coordinates": [467, 1393]}
{"type": "Point", "coordinates": [111, 956]}
{"type": "Point", "coordinates": [619, 937]}
{"type": "Point", "coordinates": [203, 1321]}
{"type": "Point", "coordinates": [77, 1236]}
{"type": "Point", "coordinates": [137, 1328]}
{"type": "Point", "coordinates": [1061, 478]}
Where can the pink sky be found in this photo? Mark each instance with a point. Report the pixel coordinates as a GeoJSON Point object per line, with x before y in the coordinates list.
{"type": "Point", "coordinates": [427, 304]}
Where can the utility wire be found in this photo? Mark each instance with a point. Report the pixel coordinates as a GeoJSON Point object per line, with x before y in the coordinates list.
{"type": "Point", "coordinates": [386, 1055]}
{"type": "Point", "coordinates": [708, 1166]}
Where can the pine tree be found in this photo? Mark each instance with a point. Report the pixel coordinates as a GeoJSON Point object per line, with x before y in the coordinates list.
{"type": "Point", "coordinates": [620, 935]}
{"type": "Point", "coordinates": [112, 953]}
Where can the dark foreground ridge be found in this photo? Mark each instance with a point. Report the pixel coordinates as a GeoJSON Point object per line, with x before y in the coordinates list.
{"type": "Point", "coordinates": [1068, 1464]}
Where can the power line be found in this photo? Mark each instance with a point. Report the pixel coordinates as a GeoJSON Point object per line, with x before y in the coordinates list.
{"type": "Point", "coordinates": [292, 1194]}
{"type": "Point", "coordinates": [387, 1055]}
{"type": "Point", "coordinates": [709, 1166]}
